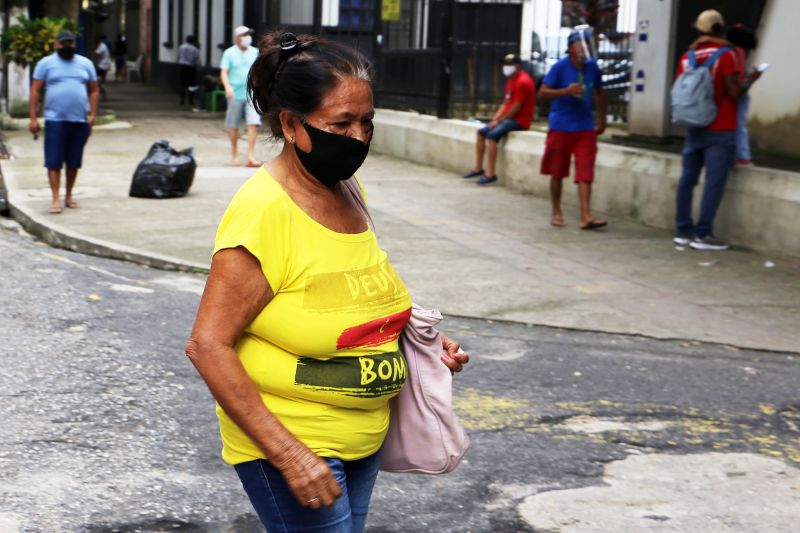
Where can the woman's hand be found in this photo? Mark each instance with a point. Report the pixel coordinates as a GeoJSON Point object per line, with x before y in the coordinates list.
{"type": "Point", "coordinates": [308, 476]}
{"type": "Point", "coordinates": [454, 357]}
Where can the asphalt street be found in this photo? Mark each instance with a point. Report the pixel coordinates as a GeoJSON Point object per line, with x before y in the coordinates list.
{"type": "Point", "coordinates": [107, 427]}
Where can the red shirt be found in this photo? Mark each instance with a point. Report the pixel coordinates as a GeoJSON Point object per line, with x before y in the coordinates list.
{"type": "Point", "coordinates": [726, 64]}
{"type": "Point", "coordinates": [520, 88]}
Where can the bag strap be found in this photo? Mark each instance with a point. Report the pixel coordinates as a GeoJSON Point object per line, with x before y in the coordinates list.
{"type": "Point", "coordinates": [692, 59]}
{"type": "Point", "coordinates": [713, 59]}
{"type": "Point", "coordinates": [355, 189]}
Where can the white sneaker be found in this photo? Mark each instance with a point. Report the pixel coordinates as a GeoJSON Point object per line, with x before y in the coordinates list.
{"type": "Point", "coordinates": [682, 239]}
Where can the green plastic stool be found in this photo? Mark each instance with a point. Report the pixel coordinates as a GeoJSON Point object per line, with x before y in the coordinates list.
{"type": "Point", "coordinates": [219, 90]}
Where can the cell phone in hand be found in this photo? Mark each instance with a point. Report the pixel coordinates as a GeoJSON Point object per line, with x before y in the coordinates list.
{"type": "Point", "coordinates": [762, 67]}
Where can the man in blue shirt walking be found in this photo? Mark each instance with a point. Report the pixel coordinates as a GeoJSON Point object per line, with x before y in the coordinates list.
{"type": "Point", "coordinates": [574, 84]}
{"type": "Point", "coordinates": [70, 108]}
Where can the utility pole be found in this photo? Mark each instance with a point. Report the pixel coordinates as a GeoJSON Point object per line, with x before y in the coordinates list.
{"type": "Point", "coordinates": [446, 71]}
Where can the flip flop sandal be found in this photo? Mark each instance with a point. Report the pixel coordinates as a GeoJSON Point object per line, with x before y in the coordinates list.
{"type": "Point", "coordinates": [595, 224]}
{"type": "Point", "coordinates": [55, 210]}
{"type": "Point", "coordinates": [250, 164]}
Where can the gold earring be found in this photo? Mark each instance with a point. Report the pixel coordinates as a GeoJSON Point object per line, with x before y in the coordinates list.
{"type": "Point", "coordinates": [291, 140]}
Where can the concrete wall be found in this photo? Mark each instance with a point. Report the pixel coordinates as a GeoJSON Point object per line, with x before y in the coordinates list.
{"type": "Point", "coordinates": [760, 209]}
{"type": "Point", "coordinates": [775, 110]}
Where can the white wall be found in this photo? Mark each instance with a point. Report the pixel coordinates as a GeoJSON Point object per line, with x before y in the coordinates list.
{"type": "Point", "coordinates": [777, 93]}
{"type": "Point", "coordinates": [651, 77]}
{"type": "Point", "coordinates": [238, 13]}
{"type": "Point", "coordinates": [216, 18]}
{"type": "Point", "coordinates": [217, 31]}
{"type": "Point", "coordinates": [297, 12]}
{"type": "Point", "coordinates": [774, 119]}
{"type": "Point", "coordinates": [164, 53]}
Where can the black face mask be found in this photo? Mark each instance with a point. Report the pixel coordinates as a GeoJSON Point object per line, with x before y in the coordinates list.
{"type": "Point", "coordinates": [333, 158]}
{"type": "Point", "coordinates": [66, 52]}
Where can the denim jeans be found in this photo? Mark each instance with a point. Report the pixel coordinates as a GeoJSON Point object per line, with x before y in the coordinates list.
{"type": "Point", "coordinates": [715, 150]}
{"type": "Point", "coordinates": [280, 512]}
{"type": "Point", "coordinates": [501, 130]}
{"type": "Point", "coordinates": [742, 135]}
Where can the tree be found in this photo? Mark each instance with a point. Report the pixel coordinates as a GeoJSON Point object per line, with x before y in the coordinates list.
{"type": "Point", "coordinates": [29, 40]}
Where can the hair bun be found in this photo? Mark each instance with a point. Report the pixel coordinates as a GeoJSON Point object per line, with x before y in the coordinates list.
{"type": "Point", "coordinates": [288, 41]}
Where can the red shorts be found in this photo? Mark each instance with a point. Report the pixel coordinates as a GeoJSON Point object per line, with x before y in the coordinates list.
{"type": "Point", "coordinates": [558, 150]}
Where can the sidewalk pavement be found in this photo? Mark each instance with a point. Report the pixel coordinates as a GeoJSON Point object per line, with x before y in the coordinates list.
{"type": "Point", "coordinates": [471, 251]}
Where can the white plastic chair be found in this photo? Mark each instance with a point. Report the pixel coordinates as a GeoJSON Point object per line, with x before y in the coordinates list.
{"type": "Point", "coordinates": [134, 66]}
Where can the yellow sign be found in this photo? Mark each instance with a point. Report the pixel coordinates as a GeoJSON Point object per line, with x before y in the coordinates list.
{"type": "Point", "coordinates": [391, 10]}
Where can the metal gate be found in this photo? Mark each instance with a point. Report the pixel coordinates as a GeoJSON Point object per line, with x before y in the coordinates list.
{"type": "Point", "coordinates": [443, 56]}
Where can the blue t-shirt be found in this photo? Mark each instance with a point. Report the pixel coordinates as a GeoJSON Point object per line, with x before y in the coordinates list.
{"type": "Point", "coordinates": [66, 95]}
{"type": "Point", "coordinates": [238, 63]}
{"type": "Point", "coordinates": [572, 113]}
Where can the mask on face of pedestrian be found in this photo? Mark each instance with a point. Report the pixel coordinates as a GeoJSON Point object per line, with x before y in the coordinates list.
{"type": "Point", "coordinates": [509, 70]}
{"type": "Point", "coordinates": [246, 41]}
{"type": "Point", "coordinates": [66, 52]}
{"type": "Point", "coordinates": [333, 158]}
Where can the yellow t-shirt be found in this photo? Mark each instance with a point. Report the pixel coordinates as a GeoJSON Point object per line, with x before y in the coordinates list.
{"type": "Point", "coordinates": [324, 351]}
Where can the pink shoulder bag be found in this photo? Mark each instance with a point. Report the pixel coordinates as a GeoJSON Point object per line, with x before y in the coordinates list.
{"type": "Point", "coordinates": [424, 434]}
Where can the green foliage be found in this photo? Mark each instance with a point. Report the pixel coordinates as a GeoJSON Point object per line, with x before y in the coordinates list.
{"type": "Point", "coordinates": [26, 42]}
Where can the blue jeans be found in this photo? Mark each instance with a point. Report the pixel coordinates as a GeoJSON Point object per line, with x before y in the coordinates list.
{"type": "Point", "coordinates": [742, 135]}
{"type": "Point", "coordinates": [500, 131]}
{"type": "Point", "coordinates": [280, 512]}
{"type": "Point", "coordinates": [715, 150]}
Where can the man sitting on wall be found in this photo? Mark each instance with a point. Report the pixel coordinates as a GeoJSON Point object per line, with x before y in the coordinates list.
{"type": "Point", "coordinates": [515, 114]}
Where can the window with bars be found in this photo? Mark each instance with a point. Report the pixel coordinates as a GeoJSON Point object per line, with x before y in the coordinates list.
{"type": "Point", "coordinates": [356, 12]}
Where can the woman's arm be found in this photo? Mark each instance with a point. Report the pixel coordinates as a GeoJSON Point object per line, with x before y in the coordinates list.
{"type": "Point", "coordinates": [235, 293]}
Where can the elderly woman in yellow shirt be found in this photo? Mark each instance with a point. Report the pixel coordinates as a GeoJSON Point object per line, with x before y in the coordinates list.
{"type": "Point", "coordinates": [297, 331]}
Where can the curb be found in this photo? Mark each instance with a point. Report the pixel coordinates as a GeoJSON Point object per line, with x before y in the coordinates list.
{"type": "Point", "coordinates": [60, 237]}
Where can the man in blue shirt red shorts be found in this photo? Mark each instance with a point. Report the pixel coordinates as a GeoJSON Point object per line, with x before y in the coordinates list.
{"type": "Point", "coordinates": [515, 114]}
{"type": "Point", "coordinates": [574, 84]}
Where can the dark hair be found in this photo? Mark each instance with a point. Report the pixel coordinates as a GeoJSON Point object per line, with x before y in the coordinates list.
{"type": "Point", "coordinates": [294, 73]}
{"type": "Point", "coordinates": [741, 35]}
{"type": "Point", "coordinates": [190, 39]}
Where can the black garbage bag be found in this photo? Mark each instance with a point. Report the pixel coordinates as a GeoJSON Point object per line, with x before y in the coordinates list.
{"type": "Point", "coordinates": [164, 173]}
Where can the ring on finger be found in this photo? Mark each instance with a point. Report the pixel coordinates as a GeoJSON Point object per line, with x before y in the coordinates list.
{"type": "Point", "coordinates": [312, 500]}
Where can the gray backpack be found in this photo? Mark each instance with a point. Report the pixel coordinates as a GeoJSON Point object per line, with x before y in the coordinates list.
{"type": "Point", "coordinates": [692, 93]}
